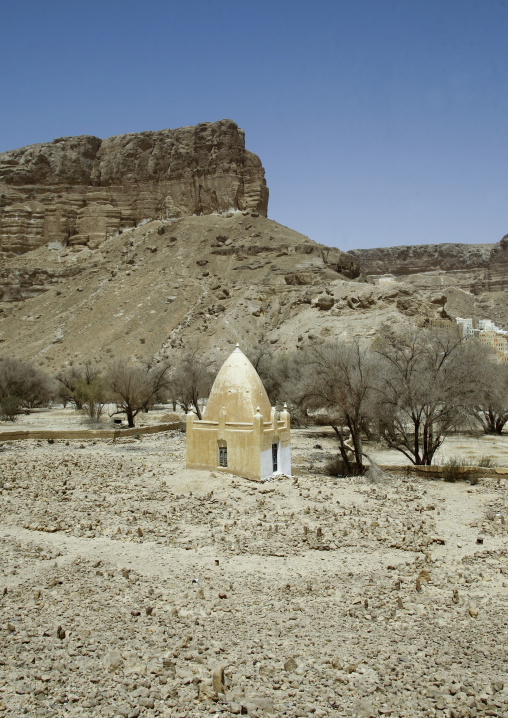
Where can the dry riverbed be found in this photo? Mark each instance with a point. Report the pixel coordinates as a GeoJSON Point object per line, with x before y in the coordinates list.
{"type": "Point", "coordinates": [126, 581]}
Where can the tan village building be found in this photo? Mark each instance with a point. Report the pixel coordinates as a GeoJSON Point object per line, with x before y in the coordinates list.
{"type": "Point", "coordinates": [240, 432]}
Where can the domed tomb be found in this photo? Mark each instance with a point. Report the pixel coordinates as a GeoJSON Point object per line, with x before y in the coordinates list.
{"type": "Point", "coordinates": [239, 389]}
{"type": "Point", "coordinates": [240, 432]}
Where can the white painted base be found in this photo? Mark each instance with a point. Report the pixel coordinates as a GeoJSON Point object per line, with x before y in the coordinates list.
{"type": "Point", "coordinates": [283, 462]}
{"type": "Point", "coordinates": [266, 463]}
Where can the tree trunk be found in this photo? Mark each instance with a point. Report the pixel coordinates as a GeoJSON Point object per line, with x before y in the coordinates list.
{"type": "Point", "coordinates": [130, 417]}
{"type": "Point", "coordinates": [417, 442]}
{"type": "Point", "coordinates": [198, 412]}
{"type": "Point", "coordinates": [357, 443]}
{"type": "Point", "coordinates": [343, 450]}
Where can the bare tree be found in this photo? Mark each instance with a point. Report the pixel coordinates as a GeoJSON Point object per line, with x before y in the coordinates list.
{"type": "Point", "coordinates": [22, 384]}
{"type": "Point", "coordinates": [84, 386]}
{"type": "Point", "coordinates": [191, 381]}
{"type": "Point", "coordinates": [94, 392]}
{"type": "Point", "coordinates": [274, 368]}
{"type": "Point", "coordinates": [338, 379]}
{"type": "Point", "coordinates": [136, 387]}
{"type": "Point", "coordinates": [491, 407]}
{"type": "Point", "coordinates": [428, 388]}
{"type": "Point", "coordinates": [70, 380]}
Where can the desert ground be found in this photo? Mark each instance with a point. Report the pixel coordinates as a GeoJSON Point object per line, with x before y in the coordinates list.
{"type": "Point", "coordinates": [131, 586]}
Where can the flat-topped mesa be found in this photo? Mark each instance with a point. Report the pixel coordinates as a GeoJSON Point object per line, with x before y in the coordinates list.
{"type": "Point", "coordinates": [83, 190]}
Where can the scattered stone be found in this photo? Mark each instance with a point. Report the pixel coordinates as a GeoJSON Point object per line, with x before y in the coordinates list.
{"type": "Point", "coordinates": [324, 302]}
{"type": "Point", "coordinates": [147, 702]}
{"type": "Point", "coordinates": [290, 665]}
{"type": "Point", "coordinates": [112, 660]}
{"type": "Point", "coordinates": [363, 709]}
{"type": "Point", "coordinates": [424, 576]}
{"type": "Point", "coordinates": [284, 634]}
{"type": "Point", "coordinates": [218, 679]}
{"type": "Point", "coordinates": [260, 702]}
{"type": "Point", "coordinates": [60, 633]}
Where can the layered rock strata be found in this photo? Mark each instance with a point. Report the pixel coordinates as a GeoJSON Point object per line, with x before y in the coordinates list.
{"type": "Point", "coordinates": [83, 190]}
{"type": "Point", "coordinates": [476, 268]}
{"type": "Point", "coordinates": [423, 258]}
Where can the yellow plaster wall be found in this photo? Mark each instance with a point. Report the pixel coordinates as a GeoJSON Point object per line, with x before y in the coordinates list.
{"type": "Point", "coordinates": [244, 443]}
{"type": "Point", "coordinates": [244, 456]}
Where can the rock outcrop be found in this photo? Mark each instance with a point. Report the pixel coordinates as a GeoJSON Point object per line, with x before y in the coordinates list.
{"type": "Point", "coordinates": [496, 277]}
{"type": "Point", "coordinates": [475, 268]}
{"type": "Point", "coordinates": [423, 258]}
{"type": "Point", "coordinates": [83, 190]}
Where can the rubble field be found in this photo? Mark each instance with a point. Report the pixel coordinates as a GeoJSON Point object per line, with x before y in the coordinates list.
{"type": "Point", "coordinates": [131, 586]}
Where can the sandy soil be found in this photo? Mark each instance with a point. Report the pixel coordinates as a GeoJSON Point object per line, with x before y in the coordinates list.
{"type": "Point", "coordinates": [317, 596]}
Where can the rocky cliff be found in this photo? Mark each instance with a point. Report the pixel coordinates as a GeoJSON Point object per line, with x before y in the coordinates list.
{"type": "Point", "coordinates": [153, 243]}
{"type": "Point", "coordinates": [83, 190]}
{"type": "Point", "coordinates": [423, 258]}
{"type": "Point", "coordinates": [475, 268]}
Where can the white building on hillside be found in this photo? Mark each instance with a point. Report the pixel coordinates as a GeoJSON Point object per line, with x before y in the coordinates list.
{"type": "Point", "coordinates": [466, 326]}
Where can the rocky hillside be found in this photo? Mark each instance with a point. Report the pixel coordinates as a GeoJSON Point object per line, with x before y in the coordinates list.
{"type": "Point", "coordinates": [83, 190]}
{"type": "Point", "coordinates": [473, 278]}
{"type": "Point", "coordinates": [155, 243]}
{"type": "Point", "coordinates": [476, 268]}
{"type": "Point", "coordinates": [169, 285]}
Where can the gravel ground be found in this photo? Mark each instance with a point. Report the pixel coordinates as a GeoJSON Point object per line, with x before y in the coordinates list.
{"type": "Point", "coordinates": [130, 586]}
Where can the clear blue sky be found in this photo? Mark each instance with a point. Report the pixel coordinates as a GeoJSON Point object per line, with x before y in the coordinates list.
{"type": "Point", "coordinates": [378, 122]}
